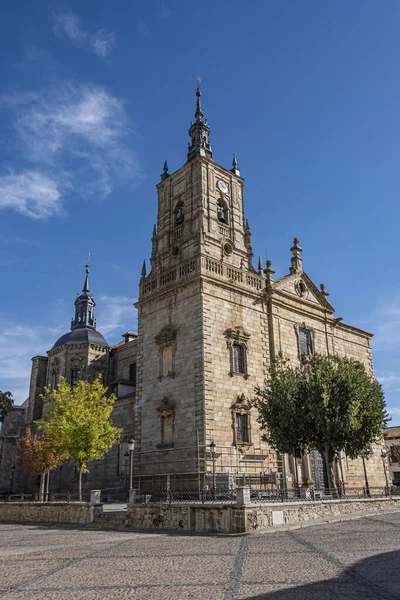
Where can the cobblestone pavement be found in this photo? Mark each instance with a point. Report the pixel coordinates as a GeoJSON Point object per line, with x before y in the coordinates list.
{"type": "Point", "coordinates": [352, 560]}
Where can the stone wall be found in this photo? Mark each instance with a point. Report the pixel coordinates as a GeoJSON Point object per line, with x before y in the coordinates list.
{"type": "Point", "coordinates": [49, 512]}
{"type": "Point", "coordinates": [249, 518]}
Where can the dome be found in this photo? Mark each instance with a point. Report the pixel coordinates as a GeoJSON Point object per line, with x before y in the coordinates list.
{"type": "Point", "coordinates": [83, 335]}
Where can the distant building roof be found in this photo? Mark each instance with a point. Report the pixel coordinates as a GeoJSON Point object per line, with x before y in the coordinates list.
{"type": "Point", "coordinates": [391, 432]}
{"type": "Point", "coordinates": [81, 336]}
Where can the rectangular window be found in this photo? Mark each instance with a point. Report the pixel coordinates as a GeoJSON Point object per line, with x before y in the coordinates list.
{"type": "Point", "coordinates": [166, 360]}
{"type": "Point", "coordinates": [132, 373]}
{"type": "Point", "coordinates": [395, 454]}
{"type": "Point", "coordinates": [242, 428]}
{"type": "Point", "coordinates": [238, 358]}
{"type": "Point", "coordinates": [167, 432]}
{"type": "Point", "coordinates": [305, 342]}
{"type": "Point", "coordinates": [75, 376]}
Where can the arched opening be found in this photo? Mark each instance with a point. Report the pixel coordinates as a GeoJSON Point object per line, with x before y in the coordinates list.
{"type": "Point", "coordinates": [222, 212]}
{"type": "Point", "coordinates": [179, 214]}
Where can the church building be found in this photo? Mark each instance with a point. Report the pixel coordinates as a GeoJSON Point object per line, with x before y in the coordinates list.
{"type": "Point", "coordinates": [209, 326]}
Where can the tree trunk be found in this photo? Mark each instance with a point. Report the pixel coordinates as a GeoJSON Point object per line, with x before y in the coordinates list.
{"type": "Point", "coordinates": [80, 484]}
{"type": "Point", "coordinates": [327, 454]}
{"type": "Point", "coordinates": [41, 487]}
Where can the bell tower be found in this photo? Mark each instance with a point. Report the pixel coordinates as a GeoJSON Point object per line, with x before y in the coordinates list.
{"type": "Point", "coordinates": [198, 288]}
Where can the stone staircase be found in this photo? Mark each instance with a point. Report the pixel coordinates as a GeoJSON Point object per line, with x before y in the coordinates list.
{"type": "Point", "coordinates": [112, 517]}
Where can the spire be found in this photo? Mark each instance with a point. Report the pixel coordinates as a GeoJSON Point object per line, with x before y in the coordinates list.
{"type": "Point", "coordinates": [296, 259]}
{"type": "Point", "coordinates": [268, 274]}
{"type": "Point", "coordinates": [84, 305]}
{"type": "Point", "coordinates": [143, 273]}
{"type": "Point", "coordinates": [154, 236]}
{"type": "Point", "coordinates": [199, 113]}
{"type": "Point", "coordinates": [235, 167]}
{"type": "Point", "coordinates": [199, 131]}
{"type": "Point", "coordinates": [165, 173]}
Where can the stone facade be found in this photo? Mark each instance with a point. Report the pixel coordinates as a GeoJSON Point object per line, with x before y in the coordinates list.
{"type": "Point", "coordinates": [209, 325]}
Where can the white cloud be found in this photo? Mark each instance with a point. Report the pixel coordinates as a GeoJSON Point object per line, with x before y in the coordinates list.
{"type": "Point", "coordinates": [389, 379]}
{"type": "Point", "coordinates": [394, 411]}
{"type": "Point", "coordinates": [116, 313]}
{"type": "Point", "coordinates": [17, 346]}
{"type": "Point", "coordinates": [387, 336]}
{"type": "Point", "coordinates": [141, 27]}
{"type": "Point", "coordinates": [31, 193]}
{"type": "Point", "coordinates": [102, 42]}
{"type": "Point", "coordinates": [77, 138]}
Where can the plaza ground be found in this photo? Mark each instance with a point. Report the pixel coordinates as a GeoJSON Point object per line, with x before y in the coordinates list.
{"type": "Point", "coordinates": [357, 559]}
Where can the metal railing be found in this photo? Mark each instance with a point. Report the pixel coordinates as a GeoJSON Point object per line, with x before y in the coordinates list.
{"type": "Point", "coordinates": [50, 497]}
{"type": "Point", "coordinates": [302, 494]}
{"type": "Point", "coordinates": [165, 496]}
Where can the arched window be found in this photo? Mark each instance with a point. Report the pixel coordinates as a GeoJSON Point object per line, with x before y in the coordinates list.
{"type": "Point", "coordinates": [222, 212]}
{"type": "Point", "coordinates": [179, 214]}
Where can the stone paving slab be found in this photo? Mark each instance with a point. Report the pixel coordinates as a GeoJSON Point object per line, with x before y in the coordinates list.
{"type": "Point", "coordinates": [356, 559]}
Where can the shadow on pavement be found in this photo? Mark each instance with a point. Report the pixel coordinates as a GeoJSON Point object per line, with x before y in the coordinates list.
{"type": "Point", "coordinates": [369, 579]}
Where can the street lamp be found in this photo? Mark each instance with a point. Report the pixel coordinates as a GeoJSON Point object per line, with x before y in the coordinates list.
{"type": "Point", "coordinates": [365, 454]}
{"type": "Point", "coordinates": [131, 449]}
{"type": "Point", "coordinates": [212, 451]}
{"type": "Point", "coordinates": [383, 457]}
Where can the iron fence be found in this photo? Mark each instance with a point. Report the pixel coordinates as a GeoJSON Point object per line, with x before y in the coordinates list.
{"type": "Point", "coordinates": [301, 494]}
{"type": "Point", "coordinates": [49, 497]}
{"type": "Point", "coordinates": [166, 496]}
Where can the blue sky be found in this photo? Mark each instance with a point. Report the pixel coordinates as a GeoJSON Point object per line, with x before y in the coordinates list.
{"type": "Point", "coordinates": [96, 95]}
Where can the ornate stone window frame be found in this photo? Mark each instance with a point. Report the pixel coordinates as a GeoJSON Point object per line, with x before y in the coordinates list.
{"type": "Point", "coordinates": [166, 409]}
{"type": "Point", "coordinates": [298, 327]}
{"type": "Point", "coordinates": [166, 337]}
{"type": "Point", "coordinates": [241, 407]}
{"type": "Point", "coordinates": [224, 205]}
{"type": "Point", "coordinates": [237, 335]}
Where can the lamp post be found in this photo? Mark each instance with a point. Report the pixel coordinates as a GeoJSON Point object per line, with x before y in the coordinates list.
{"type": "Point", "coordinates": [383, 457]}
{"type": "Point", "coordinates": [365, 455]}
{"type": "Point", "coordinates": [12, 478]}
{"type": "Point", "coordinates": [131, 449]}
{"type": "Point", "coordinates": [212, 451]}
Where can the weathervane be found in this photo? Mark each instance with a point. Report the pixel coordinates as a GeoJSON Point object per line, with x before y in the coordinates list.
{"type": "Point", "coordinates": [87, 266]}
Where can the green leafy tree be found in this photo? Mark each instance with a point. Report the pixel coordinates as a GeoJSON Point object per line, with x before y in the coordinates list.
{"type": "Point", "coordinates": [39, 455]}
{"type": "Point", "coordinates": [6, 404]}
{"type": "Point", "coordinates": [79, 417]}
{"type": "Point", "coordinates": [330, 404]}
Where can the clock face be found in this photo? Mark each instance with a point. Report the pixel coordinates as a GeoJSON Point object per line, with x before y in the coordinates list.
{"type": "Point", "coordinates": [222, 186]}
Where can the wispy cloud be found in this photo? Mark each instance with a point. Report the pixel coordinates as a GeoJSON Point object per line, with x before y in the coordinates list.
{"type": "Point", "coordinates": [18, 344]}
{"type": "Point", "coordinates": [102, 42]}
{"type": "Point", "coordinates": [84, 127]}
{"type": "Point", "coordinates": [141, 27]}
{"type": "Point", "coordinates": [387, 329]}
{"type": "Point", "coordinates": [394, 411]}
{"type": "Point", "coordinates": [31, 193]}
{"type": "Point", "coordinates": [116, 313]}
{"type": "Point", "coordinates": [389, 380]}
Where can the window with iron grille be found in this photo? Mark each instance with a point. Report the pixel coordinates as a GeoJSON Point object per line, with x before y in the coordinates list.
{"type": "Point", "coordinates": [242, 428]}
{"type": "Point", "coordinates": [395, 453]}
{"type": "Point", "coordinates": [239, 365]}
{"type": "Point", "coordinates": [75, 376]}
{"type": "Point", "coordinates": [305, 341]}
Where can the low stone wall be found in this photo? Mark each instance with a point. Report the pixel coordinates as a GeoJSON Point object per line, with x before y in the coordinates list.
{"type": "Point", "coordinates": [249, 517]}
{"type": "Point", "coordinates": [263, 516]}
{"type": "Point", "coordinates": [205, 519]}
{"type": "Point", "coordinates": [47, 512]}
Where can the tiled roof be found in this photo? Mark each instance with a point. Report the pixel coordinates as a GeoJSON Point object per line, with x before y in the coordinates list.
{"type": "Point", "coordinates": [391, 432]}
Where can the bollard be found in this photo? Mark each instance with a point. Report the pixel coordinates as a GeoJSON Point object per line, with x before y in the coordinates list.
{"type": "Point", "coordinates": [243, 495]}
{"type": "Point", "coordinates": [95, 497]}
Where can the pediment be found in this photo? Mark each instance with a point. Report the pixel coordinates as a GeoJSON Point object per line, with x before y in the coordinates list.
{"type": "Point", "coordinates": [301, 287]}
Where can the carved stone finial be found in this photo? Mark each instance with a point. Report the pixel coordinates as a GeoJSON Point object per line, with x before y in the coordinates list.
{"type": "Point", "coordinates": [165, 173]}
{"type": "Point", "coordinates": [269, 272]}
{"type": "Point", "coordinates": [323, 290]}
{"type": "Point", "coordinates": [154, 236]}
{"type": "Point", "coordinates": [296, 259]}
{"type": "Point", "coordinates": [235, 167]}
{"type": "Point", "coordinates": [143, 273]}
